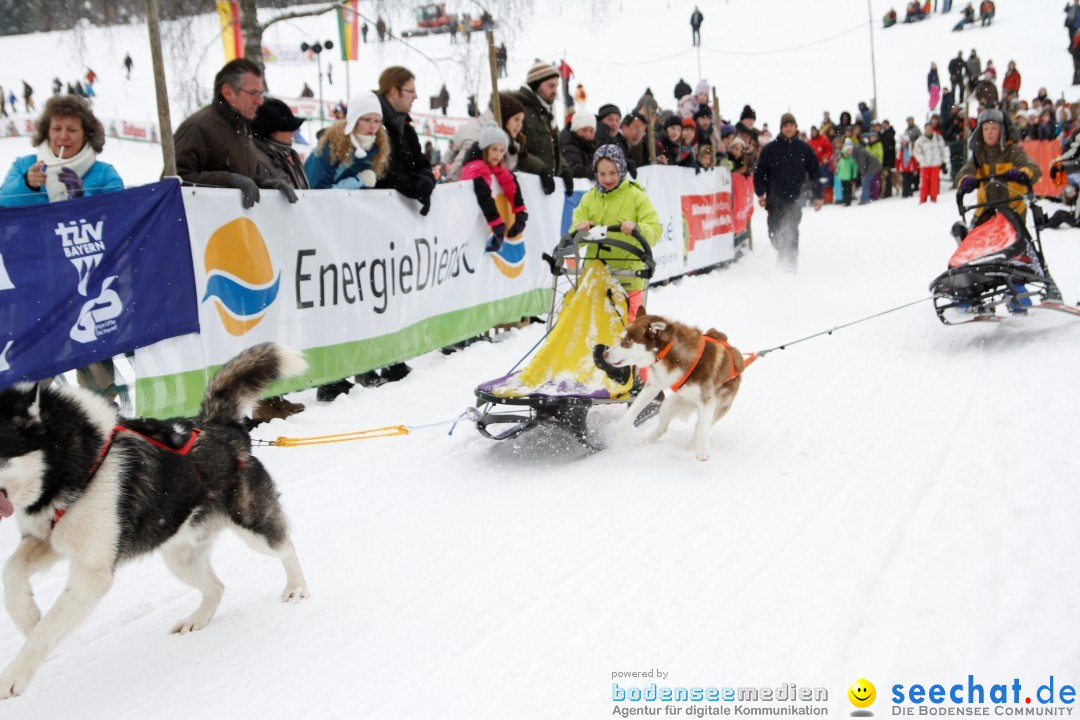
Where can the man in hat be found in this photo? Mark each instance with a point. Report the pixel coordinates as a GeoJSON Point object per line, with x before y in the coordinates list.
{"type": "Point", "coordinates": [607, 119]}
{"type": "Point", "coordinates": [214, 146]}
{"type": "Point", "coordinates": [786, 166]}
{"type": "Point", "coordinates": [544, 156]}
{"type": "Point", "coordinates": [274, 127]}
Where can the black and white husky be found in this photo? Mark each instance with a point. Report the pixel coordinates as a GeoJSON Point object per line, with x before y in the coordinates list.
{"type": "Point", "coordinates": [96, 490]}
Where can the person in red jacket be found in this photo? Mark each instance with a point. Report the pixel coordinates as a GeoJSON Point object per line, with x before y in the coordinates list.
{"type": "Point", "coordinates": [907, 165]}
{"type": "Point", "coordinates": [1011, 83]}
{"type": "Point", "coordinates": [823, 150]}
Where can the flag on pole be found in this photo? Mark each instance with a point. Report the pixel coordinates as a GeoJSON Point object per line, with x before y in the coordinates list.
{"type": "Point", "coordinates": [349, 30]}
{"type": "Point", "coordinates": [232, 35]}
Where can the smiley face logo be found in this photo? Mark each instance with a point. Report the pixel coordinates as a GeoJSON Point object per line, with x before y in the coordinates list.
{"type": "Point", "coordinates": [862, 693]}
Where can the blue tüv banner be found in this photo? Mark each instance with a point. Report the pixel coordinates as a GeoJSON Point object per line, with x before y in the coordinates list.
{"type": "Point", "coordinates": [89, 278]}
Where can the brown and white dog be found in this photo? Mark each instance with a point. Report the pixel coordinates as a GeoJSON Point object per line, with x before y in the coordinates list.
{"type": "Point", "coordinates": [701, 372]}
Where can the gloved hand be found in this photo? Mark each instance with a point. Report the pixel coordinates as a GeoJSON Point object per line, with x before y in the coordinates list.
{"type": "Point", "coordinates": [967, 185]}
{"type": "Point", "coordinates": [1017, 176]}
{"type": "Point", "coordinates": [547, 182]}
{"type": "Point", "coordinates": [568, 182]}
{"type": "Point", "coordinates": [350, 183]}
{"type": "Point", "coordinates": [632, 169]}
{"type": "Point", "coordinates": [498, 233]}
{"type": "Point", "coordinates": [283, 186]}
{"type": "Point", "coordinates": [368, 178]}
{"type": "Point", "coordinates": [519, 224]}
{"type": "Point", "coordinates": [72, 182]}
{"type": "Point", "coordinates": [249, 191]}
{"type": "Point", "coordinates": [425, 185]}
{"type": "Point", "coordinates": [425, 205]}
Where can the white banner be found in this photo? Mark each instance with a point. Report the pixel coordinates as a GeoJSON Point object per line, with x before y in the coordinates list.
{"type": "Point", "coordinates": [359, 279]}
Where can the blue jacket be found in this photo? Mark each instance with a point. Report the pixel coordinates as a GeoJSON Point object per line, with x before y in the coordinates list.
{"type": "Point", "coordinates": [101, 178]}
{"type": "Point", "coordinates": [323, 174]}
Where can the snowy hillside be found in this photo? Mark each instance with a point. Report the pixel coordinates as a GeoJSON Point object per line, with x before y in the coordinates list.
{"type": "Point", "coordinates": [896, 501]}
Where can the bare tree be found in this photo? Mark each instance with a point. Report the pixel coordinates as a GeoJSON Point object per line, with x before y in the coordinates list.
{"type": "Point", "coordinates": [253, 29]}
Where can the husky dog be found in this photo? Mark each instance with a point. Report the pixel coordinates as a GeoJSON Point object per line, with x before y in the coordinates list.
{"type": "Point", "coordinates": [701, 370]}
{"type": "Point", "coordinates": [96, 490]}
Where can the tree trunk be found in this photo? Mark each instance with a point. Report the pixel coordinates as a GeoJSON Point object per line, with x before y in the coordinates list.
{"type": "Point", "coordinates": [249, 22]}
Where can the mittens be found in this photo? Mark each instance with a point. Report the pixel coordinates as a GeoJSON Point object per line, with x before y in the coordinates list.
{"type": "Point", "coordinates": [72, 182]}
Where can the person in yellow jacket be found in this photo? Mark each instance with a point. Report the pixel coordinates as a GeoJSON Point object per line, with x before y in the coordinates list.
{"type": "Point", "coordinates": [616, 200]}
{"type": "Point", "coordinates": [993, 153]}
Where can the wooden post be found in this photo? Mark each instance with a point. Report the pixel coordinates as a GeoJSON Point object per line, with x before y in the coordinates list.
{"type": "Point", "coordinates": [715, 108]}
{"type": "Point", "coordinates": [495, 109]}
{"type": "Point", "coordinates": [168, 150]}
{"type": "Point", "coordinates": [652, 136]}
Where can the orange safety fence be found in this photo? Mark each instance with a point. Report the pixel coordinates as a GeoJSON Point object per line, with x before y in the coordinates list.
{"type": "Point", "coordinates": [1043, 153]}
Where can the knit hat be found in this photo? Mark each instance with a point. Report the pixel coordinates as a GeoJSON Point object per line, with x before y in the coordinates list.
{"type": "Point", "coordinates": [509, 106]}
{"type": "Point", "coordinates": [738, 141]}
{"type": "Point", "coordinates": [614, 154]}
{"type": "Point", "coordinates": [703, 111]}
{"type": "Point", "coordinates": [606, 110]}
{"type": "Point", "coordinates": [726, 130]}
{"type": "Point", "coordinates": [581, 121]}
{"type": "Point", "coordinates": [672, 120]}
{"type": "Point", "coordinates": [689, 122]}
{"type": "Point", "coordinates": [702, 87]}
{"type": "Point", "coordinates": [492, 134]}
{"type": "Point", "coordinates": [787, 118]}
{"type": "Point", "coordinates": [748, 112]}
{"type": "Point", "coordinates": [539, 72]}
{"type": "Point", "coordinates": [274, 116]}
{"type": "Point", "coordinates": [362, 103]}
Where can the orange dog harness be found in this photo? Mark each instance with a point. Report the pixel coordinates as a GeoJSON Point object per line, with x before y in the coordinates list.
{"type": "Point", "coordinates": [697, 359]}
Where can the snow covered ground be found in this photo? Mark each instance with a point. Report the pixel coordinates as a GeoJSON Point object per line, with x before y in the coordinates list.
{"type": "Point", "coordinates": [896, 501]}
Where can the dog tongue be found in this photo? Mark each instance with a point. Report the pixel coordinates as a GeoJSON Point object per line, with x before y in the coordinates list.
{"type": "Point", "coordinates": [6, 508]}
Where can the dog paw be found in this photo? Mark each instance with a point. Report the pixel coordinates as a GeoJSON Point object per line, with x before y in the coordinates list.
{"type": "Point", "coordinates": [702, 456]}
{"type": "Point", "coordinates": [190, 624]}
{"type": "Point", "coordinates": [14, 682]}
{"type": "Point", "coordinates": [295, 594]}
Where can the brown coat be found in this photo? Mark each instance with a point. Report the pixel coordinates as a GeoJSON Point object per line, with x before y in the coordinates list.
{"type": "Point", "coordinates": [277, 160]}
{"type": "Point", "coordinates": [213, 142]}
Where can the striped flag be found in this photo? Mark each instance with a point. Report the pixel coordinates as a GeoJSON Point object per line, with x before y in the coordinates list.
{"type": "Point", "coordinates": [348, 18]}
{"type": "Point", "coordinates": [232, 35]}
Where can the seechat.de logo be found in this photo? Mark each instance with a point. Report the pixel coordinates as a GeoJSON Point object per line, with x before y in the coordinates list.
{"type": "Point", "coordinates": [240, 277]}
{"type": "Point", "coordinates": [862, 695]}
{"type": "Point", "coordinates": [510, 257]}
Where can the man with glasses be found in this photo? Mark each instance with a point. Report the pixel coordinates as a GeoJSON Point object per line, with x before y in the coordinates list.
{"type": "Point", "coordinates": [409, 172]}
{"type": "Point", "coordinates": [214, 146]}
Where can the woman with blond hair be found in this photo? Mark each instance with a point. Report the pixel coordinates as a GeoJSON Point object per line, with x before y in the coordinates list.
{"type": "Point", "coordinates": [353, 153]}
{"type": "Point", "coordinates": [68, 139]}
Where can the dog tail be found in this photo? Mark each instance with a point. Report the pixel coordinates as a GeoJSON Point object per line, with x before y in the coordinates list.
{"type": "Point", "coordinates": [242, 381]}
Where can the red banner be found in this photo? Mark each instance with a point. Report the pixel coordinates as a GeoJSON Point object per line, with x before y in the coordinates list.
{"type": "Point", "coordinates": [742, 202]}
{"type": "Point", "coordinates": [706, 216]}
{"type": "Point", "coordinates": [1043, 153]}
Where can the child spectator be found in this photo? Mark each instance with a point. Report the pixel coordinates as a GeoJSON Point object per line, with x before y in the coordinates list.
{"type": "Point", "coordinates": [616, 200]}
{"type": "Point", "coordinates": [487, 160]}
{"type": "Point", "coordinates": [847, 170]}
{"type": "Point", "coordinates": [907, 166]}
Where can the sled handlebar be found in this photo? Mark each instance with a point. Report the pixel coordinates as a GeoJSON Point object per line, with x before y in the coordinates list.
{"type": "Point", "coordinates": [1028, 193]}
{"type": "Point", "coordinates": [569, 244]}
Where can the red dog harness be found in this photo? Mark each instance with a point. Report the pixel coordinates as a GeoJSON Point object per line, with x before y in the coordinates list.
{"type": "Point", "coordinates": [697, 359]}
{"type": "Point", "coordinates": [183, 450]}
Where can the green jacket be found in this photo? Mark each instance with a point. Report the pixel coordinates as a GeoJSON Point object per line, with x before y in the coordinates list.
{"type": "Point", "coordinates": [847, 168]}
{"type": "Point", "coordinates": [541, 138]}
{"type": "Point", "coordinates": [626, 202]}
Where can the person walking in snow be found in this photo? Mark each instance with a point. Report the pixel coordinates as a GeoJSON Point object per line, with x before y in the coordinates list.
{"type": "Point", "coordinates": [933, 85]}
{"type": "Point", "coordinates": [784, 169]}
{"type": "Point", "coordinates": [695, 26]}
{"type": "Point", "coordinates": [930, 152]}
{"type": "Point", "coordinates": [28, 96]}
{"type": "Point", "coordinates": [127, 64]}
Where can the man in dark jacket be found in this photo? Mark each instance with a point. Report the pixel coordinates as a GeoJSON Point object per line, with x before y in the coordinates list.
{"type": "Point", "coordinates": [577, 144]}
{"type": "Point", "coordinates": [957, 68]}
{"type": "Point", "coordinates": [214, 146]}
{"type": "Point", "coordinates": [695, 25]}
{"type": "Point", "coordinates": [785, 167]}
{"type": "Point", "coordinates": [409, 172]}
{"type": "Point", "coordinates": [544, 157]}
{"type": "Point", "coordinates": [274, 127]}
{"type": "Point", "coordinates": [631, 138]}
{"type": "Point", "coordinates": [888, 146]}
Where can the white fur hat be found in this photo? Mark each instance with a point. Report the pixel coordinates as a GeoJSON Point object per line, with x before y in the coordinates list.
{"type": "Point", "coordinates": [582, 120]}
{"type": "Point", "coordinates": [360, 104]}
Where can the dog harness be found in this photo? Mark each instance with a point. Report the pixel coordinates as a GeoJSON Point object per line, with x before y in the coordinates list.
{"type": "Point", "coordinates": [735, 372]}
{"type": "Point", "coordinates": [182, 450]}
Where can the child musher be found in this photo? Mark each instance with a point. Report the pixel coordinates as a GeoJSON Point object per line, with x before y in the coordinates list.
{"type": "Point", "coordinates": [618, 201]}
{"type": "Point", "coordinates": [485, 160]}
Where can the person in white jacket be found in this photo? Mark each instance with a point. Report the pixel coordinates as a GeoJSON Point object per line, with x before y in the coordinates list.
{"type": "Point", "coordinates": [930, 152]}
